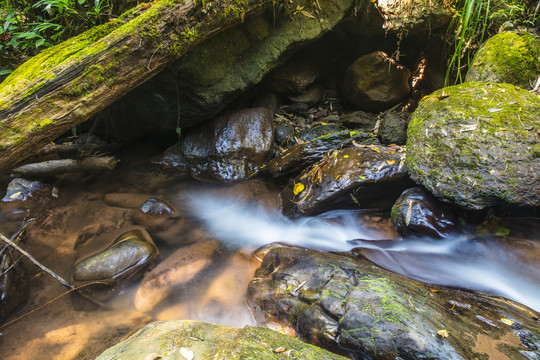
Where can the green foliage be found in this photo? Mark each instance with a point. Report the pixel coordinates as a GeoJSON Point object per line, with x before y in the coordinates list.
{"type": "Point", "coordinates": [474, 20]}
{"type": "Point", "coordinates": [27, 27]}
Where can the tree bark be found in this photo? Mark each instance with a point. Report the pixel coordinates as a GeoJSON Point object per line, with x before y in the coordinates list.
{"type": "Point", "coordinates": [67, 84]}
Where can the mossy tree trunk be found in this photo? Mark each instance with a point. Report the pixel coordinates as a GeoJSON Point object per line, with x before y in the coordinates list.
{"type": "Point", "coordinates": [67, 84]}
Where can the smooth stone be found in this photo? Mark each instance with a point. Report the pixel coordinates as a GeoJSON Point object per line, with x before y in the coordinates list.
{"type": "Point", "coordinates": [393, 129]}
{"type": "Point", "coordinates": [131, 251]}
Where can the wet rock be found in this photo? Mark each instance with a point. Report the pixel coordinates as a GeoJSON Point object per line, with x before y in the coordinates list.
{"type": "Point", "coordinates": [282, 133]}
{"type": "Point", "coordinates": [393, 129]}
{"type": "Point", "coordinates": [299, 108]}
{"type": "Point", "coordinates": [356, 177]}
{"type": "Point", "coordinates": [296, 74]}
{"type": "Point", "coordinates": [507, 58]}
{"type": "Point", "coordinates": [129, 252]}
{"type": "Point", "coordinates": [214, 73]}
{"type": "Point", "coordinates": [375, 82]}
{"type": "Point", "coordinates": [173, 158]}
{"type": "Point", "coordinates": [359, 120]}
{"type": "Point", "coordinates": [346, 304]}
{"type": "Point", "coordinates": [13, 283]}
{"type": "Point", "coordinates": [292, 161]}
{"type": "Point", "coordinates": [183, 339]}
{"type": "Point", "coordinates": [318, 131]}
{"type": "Point", "coordinates": [156, 215]}
{"type": "Point", "coordinates": [313, 95]}
{"type": "Point", "coordinates": [418, 213]}
{"type": "Point", "coordinates": [21, 189]}
{"type": "Point", "coordinates": [476, 145]}
{"type": "Point", "coordinates": [174, 273]}
{"type": "Point", "coordinates": [230, 147]}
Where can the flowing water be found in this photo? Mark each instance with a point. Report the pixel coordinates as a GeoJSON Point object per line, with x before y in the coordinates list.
{"type": "Point", "coordinates": [242, 218]}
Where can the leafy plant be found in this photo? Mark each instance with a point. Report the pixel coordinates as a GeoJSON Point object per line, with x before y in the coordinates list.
{"type": "Point", "coordinates": [474, 20]}
{"type": "Point", "coordinates": [27, 27]}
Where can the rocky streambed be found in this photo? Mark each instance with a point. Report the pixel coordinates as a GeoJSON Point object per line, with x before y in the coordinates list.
{"type": "Point", "coordinates": [344, 199]}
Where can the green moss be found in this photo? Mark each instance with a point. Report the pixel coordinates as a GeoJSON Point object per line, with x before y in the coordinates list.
{"type": "Point", "coordinates": [463, 138]}
{"type": "Point", "coordinates": [507, 58]}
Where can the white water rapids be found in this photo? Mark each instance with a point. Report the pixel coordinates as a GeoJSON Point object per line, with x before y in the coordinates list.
{"type": "Point", "coordinates": [459, 261]}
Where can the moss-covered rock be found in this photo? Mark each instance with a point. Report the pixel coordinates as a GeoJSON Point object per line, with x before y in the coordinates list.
{"type": "Point", "coordinates": [346, 303]}
{"type": "Point", "coordinates": [507, 58]}
{"type": "Point", "coordinates": [477, 145]}
{"type": "Point", "coordinates": [183, 339]}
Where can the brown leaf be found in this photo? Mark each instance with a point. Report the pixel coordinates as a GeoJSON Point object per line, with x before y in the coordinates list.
{"type": "Point", "coordinates": [279, 349]}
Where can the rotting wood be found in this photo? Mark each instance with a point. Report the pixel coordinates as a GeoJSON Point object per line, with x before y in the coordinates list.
{"type": "Point", "coordinates": [67, 84]}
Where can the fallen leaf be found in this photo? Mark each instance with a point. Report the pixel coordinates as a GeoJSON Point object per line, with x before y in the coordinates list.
{"type": "Point", "coordinates": [298, 188]}
{"type": "Point", "coordinates": [478, 63]}
{"type": "Point", "coordinates": [443, 333]}
{"type": "Point", "coordinates": [345, 156]}
{"type": "Point", "coordinates": [279, 349]}
{"type": "Point", "coordinates": [507, 321]}
{"type": "Point", "coordinates": [443, 95]}
{"type": "Point", "coordinates": [337, 177]}
{"type": "Point", "coordinates": [376, 149]}
{"type": "Point", "coordinates": [194, 338]}
{"type": "Point", "coordinates": [434, 290]}
{"type": "Point", "coordinates": [491, 110]}
{"type": "Point", "coordinates": [409, 213]}
{"type": "Point", "coordinates": [17, 194]}
{"type": "Point", "coordinates": [391, 162]}
{"type": "Point", "coordinates": [187, 354]}
{"type": "Point", "coordinates": [362, 177]}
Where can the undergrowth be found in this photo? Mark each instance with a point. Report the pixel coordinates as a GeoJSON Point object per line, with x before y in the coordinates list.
{"type": "Point", "coordinates": [475, 20]}
{"type": "Point", "coordinates": [29, 26]}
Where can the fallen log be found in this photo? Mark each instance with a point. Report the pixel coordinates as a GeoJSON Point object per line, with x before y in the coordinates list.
{"type": "Point", "coordinates": [67, 84]}
{"type": "Point", "coordinates": [55, 167]}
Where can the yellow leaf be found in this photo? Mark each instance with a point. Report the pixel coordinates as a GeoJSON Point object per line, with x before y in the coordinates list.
{"type": "Point", "coordinates": [443, 333]}
{"type": "Point", "coordinates": [507, 321]}
{"type": "Point", "coordinates": [361, 177]}
{"type": "Point", "coordinates": [298, 188]}
{"type": "Point", "coordinates": [337, 177]}
{"type": "Point", "coordinates": [13, 196]}
{"type": "Point", "coordinates": [391, 162]}
{"type": "Point", "coordinates": [323, 123]}
{"type": "Point", "coordinates": [279, 349]}
{"type": "Point", "coordinates": [376, 149]}
{"type": "Point", "coordinates": [345, 156]}
{"type": "Point", "coordinates": [433, 290]}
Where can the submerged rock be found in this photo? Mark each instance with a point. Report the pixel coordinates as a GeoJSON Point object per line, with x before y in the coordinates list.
{"type": "Point", "coordinates": [231, 147]}
{"type": "Point", "coordinates": [507, 58]}
{"type": "Point", "coordinates": [156, 215]}
{"type": "Point", "coordinates": [129, 252]}
{"type": "Point", "coordinates": [175, 272]}
{"type": "Point", "coordinates": [13, 284]}
{"type": "Point", "coordinates": [347, 304]}
{"type": "Point", "coordinates": [21, 189]}
{"type": "Point", "coordinates": [477, 145]}
{"type": "Point", "coordinates": [375, 82]}
{"type": "Point", "coordinates": [187, 339]}
{"type": "Point", "coordinates": [418, 213]}
{"type": "Point", "coordinates": [292, 161]}
{"type": "Point", "coordinates": [356, 177]}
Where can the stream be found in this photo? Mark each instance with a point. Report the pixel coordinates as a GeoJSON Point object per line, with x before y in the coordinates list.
{"type": "Point", "coordinates": [243, 218]}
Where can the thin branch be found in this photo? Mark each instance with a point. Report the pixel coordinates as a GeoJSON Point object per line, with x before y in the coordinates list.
{"type": "Point", "coordinates": [37, 263]}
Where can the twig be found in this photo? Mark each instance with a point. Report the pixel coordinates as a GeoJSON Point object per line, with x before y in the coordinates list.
{"type": "Point", "coordinates": [41, 266]}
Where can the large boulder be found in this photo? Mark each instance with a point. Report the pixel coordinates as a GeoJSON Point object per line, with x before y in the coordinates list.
{"type": "Point", "coordinates": [186, 339]}
{"type": "Point", "coordinates": [347, 304]}
{"type": "Point", "coordinates": [375, 82]}
{"type": "Point", "coordinates": [230, 147]}
{"type": "Point", "coordinates": [477, 145]}
{"type": "Point", "coordinates": [212, 75]}
{"type": "Point", "coordinates": [355, 177]}
{"type": "Point", "coordinates": [507, 58]}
